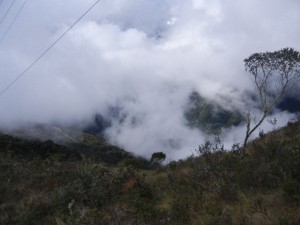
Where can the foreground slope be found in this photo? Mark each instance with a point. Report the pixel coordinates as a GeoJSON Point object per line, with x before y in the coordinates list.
{"type": "Point", "coordinates": [217, 187]}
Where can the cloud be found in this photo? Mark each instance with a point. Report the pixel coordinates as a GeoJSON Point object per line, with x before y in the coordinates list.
{"type": "Point", "coordinates": [144, 56]}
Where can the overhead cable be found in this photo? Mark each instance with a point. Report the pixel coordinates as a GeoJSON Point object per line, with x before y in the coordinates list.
{"type": "Point", "coordinates": [13, 21]}
{"type": "Point", "coordinates": [7, 11]}
{"type": "Point", "coordinates": [45, 51]}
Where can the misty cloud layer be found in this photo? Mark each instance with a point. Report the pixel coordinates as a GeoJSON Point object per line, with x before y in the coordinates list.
{"type": "Point", "coordinates": [145, 57]}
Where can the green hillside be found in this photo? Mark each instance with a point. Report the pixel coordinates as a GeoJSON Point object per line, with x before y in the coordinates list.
{"type": "Point", "coordinates": [45, 183]}
{"type": "Point", "coordinates": [209, 116]}
{"type": "Point", "coordinates": [40, 138]}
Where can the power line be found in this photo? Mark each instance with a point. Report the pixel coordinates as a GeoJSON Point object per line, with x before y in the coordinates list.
{"type": "Point", "coordinates": [44, 53]}
{"type": "Point", "coordinates": [7, 11]}
{"type": "Point", "coordinates": [13, 21]}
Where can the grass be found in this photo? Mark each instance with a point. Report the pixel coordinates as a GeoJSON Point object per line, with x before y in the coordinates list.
{"type": "Point", "coordinates": [44, 183]}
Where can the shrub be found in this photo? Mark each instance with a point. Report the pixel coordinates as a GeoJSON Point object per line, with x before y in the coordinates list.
{"type": "Point", "coordinates": [292, 190]}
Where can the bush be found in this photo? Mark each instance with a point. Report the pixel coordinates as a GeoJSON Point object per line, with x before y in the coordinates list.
{"type": "Point", "coordinates": [292, 190]}
{"type": "Point", "coordinates": [180, 210]}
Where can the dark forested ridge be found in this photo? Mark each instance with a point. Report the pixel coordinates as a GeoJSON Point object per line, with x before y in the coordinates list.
{"type": "Point", "coordinates": [86, 146]}
{"type": "Point", "coordinates": [290, 104]}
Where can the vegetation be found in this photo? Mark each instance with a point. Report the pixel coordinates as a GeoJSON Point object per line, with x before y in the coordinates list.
{"type": "Point", "coordinates": [76, 144]}
{"type": "Point", "coordinates": [274, 75]}
{"type": "Point", "coordinates": [158, 157]}
{"type": "Point", "coordinates": [210, 117]}
{"type": "Point", "coordinates": [45, 183]}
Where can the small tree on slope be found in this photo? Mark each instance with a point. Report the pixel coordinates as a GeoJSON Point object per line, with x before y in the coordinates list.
{"type": "Point", "coordinates": [274, 75]}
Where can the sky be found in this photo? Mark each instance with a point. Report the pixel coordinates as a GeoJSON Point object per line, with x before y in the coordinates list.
{"type": "Point", "coordinates": [145, 57]}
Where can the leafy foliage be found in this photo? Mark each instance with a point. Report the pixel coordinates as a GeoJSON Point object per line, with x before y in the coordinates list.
{"type": "Point", "coordinates": [274, 74]}
{"type": "Point", "coordinates": [158, 156]}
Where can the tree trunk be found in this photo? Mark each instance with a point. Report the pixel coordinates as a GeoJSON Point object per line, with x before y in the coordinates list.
{"type": "Point", "coordinates": [250, 131]}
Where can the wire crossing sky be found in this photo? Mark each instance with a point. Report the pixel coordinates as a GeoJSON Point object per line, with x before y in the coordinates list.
{"type": "Point", "coordinates": [51, 46]}
{"type": "Point", "coordinates": [7, 11]}
{"type": "Point", "coordinates": [13, 21]}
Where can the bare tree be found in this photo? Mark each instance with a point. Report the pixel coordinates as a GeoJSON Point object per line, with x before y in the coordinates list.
{"type": "Point", "coordinates": [274, 75]}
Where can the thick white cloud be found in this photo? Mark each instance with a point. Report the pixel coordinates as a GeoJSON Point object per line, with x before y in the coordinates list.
{"type": "Point", "coordinates": [145, 56]}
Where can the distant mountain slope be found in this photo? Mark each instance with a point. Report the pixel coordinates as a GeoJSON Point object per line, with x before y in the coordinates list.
{"type": "Point", "coordinates": [290, 104]}
{"type": "Point", "coordinates": [31, 149]}
{"type": "Point", "coordinates": [38, 141]}
{"type": "Point", "coordinates": [58, 134]}
{"type": "Point", "coordinates": [209, 116]}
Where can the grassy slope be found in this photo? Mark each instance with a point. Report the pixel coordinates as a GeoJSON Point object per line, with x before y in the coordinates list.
{"type": "Point", "coordinates": [218, 187]}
